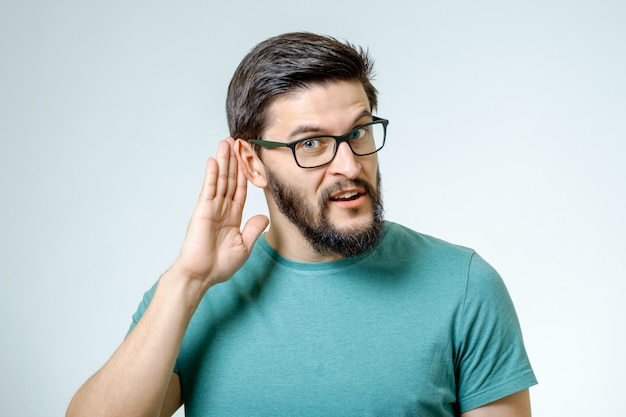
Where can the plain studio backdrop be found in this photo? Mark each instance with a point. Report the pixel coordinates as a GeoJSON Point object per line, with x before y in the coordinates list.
{"type": "Point", "coordinates": [507, 135]}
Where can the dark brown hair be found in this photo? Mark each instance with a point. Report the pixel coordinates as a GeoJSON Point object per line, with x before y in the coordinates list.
{"type": "Point", "coordinates": [285, 64]}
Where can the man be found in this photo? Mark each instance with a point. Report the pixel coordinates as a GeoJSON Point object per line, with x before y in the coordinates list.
{"type": "Point", "coordinates": [333, 311]}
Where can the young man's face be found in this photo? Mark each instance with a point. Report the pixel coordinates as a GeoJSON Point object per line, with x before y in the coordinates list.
{"type": "Point", "coordinates": [336, 207]}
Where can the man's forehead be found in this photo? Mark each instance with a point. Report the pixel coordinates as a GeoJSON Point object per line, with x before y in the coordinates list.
{"type": "Point", "coordinates": [319, 107]}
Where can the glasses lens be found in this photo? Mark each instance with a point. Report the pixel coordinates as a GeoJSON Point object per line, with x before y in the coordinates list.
{"type": "Point", "coordinates": [316, 151]}
{"type": "Point", "coordinates": [367, 139]}
{"type": "Point", "coordinates": [364, 140]}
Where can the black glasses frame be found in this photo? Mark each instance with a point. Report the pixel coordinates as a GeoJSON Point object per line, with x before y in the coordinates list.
{"type": "Point", "coordinates": [338, 140]}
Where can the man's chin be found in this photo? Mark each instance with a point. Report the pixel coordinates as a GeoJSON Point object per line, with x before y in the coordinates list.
{"type": "Point", "coordinates": [352, 226]}
{"type": "Point", "coordinates": [345, 239]}
{"type": "Point", "coordinates": [349, 219]}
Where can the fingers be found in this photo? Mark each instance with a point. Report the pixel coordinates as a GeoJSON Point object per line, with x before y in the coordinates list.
{"type": "Point", "coordinates": [227, 172]}
{"type": "Point", "coordinates": [253, 229]}
{"type": "Point", "coordinates": [241, 189]}
{"type": "Point", "coordinates": [222, 176]}
{"type": "Point", "coordinates": [233, 169]}
{"type": "Point", "coordinates": [209, 186]}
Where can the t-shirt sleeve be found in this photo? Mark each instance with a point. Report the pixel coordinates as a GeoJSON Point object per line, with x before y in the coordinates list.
{"type": "Point", "coordinates": [492, 362]}
{"type": "Point", "coordinates": [141, 309]}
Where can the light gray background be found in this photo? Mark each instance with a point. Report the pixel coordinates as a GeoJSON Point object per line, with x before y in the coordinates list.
{"type": "Point", "coordinates": [507, 134]}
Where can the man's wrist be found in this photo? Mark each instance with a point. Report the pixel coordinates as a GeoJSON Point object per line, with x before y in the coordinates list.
{"type": "Point", "coordinates": [184, 287]}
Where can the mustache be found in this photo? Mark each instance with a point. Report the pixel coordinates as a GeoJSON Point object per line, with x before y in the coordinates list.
{"type": "Point", "coordinates": [346, 184]}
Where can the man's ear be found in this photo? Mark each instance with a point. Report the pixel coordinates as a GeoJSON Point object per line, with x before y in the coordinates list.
{"type": "Point", "coordinates": [250, 163]}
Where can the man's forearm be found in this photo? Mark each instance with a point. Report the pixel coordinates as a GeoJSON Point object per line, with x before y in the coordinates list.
{"type": "Point", "coordinates": [135, 379]}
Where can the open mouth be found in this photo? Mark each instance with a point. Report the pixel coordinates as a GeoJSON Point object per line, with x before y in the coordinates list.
{"type": "Point", "coordinates": [349, 196]}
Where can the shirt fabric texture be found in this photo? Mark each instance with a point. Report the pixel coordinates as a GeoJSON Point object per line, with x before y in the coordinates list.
{"type": "Point", "coordinates": [415, 327]}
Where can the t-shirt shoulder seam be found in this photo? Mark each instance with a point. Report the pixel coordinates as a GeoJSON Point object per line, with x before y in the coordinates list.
{"type": "Point", "coordinates": [465, 294]}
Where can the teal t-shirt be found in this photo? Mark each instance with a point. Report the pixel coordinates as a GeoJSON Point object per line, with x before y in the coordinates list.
{"type": "Point", "coordinates": [415, 327]}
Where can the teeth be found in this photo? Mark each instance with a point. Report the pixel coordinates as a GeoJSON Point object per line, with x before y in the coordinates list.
{"type": "Point", "coordinates": [346, 196]}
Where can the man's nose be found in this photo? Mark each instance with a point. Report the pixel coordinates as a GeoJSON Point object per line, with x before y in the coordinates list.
{"type": "Point", "coordinates": [345, 162]}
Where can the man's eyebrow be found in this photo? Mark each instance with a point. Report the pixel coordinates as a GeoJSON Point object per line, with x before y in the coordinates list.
{"type": "Point", "coordinates": [314, 130]}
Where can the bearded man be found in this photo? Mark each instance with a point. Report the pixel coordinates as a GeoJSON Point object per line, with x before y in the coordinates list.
{"type": "Point", "coordinates": [331, 311]}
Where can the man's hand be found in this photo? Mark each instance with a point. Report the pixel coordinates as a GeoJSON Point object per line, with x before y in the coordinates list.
{"type": "Point", "coordinates": [215, 247]}
{"type": "Point", "coordinates": [137, 380]}
{"type": "Point", "coordinates": [213, 250]}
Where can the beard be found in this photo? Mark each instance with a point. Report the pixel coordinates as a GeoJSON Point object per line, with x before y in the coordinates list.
{"type": "Point", "coordinates": [323, 236]}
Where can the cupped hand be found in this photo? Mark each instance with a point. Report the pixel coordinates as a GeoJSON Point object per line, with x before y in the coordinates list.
{"type": "Point", "coordinates": [215, 246]}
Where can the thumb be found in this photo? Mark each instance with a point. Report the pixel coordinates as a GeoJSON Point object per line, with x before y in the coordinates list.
{"type": "Point", "coordinates": [253, 229]}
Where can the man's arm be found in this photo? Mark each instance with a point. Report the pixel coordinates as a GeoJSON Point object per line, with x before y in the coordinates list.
{"type": "Point", "coordinates": [173, 397]}
{"type": "Point", "coordinates": [516, 405]}
{"type": "Point", "coordinates": [138, 380]}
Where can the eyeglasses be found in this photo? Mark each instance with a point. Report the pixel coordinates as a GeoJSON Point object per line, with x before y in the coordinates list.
{"type": "Point", "coordinates": [316, 151]}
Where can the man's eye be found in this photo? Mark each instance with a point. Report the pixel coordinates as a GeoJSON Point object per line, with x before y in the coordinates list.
{"type": "Point", "coordinates": [310, 144]}
{"type": "Point", "coordinates": [358, 133]}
